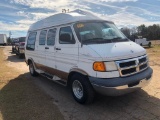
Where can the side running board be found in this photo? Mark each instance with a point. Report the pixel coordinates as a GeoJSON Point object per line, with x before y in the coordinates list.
{"type": "Point", "coordinates": [55, 79]}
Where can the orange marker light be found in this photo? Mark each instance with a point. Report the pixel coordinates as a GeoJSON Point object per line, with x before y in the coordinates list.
{"type": "Point", "coordinates": [99, 66]}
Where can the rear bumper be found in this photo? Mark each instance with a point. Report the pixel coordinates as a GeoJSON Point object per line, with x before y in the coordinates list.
{"type": "Point", "coordinates": [21, 50]}
{"type": "Point", "coordinates": [122, 85]}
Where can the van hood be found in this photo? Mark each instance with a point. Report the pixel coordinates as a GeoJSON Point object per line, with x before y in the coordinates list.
{"type": "Point", "coordinates": [117, 51]}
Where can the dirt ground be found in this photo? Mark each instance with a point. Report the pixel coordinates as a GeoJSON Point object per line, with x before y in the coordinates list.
{"type": "Point", "coordinates": [20, 98]}
{"type": "Point", "coordinates": [140, 105]}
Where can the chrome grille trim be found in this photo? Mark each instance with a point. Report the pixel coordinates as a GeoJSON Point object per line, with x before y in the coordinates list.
{"type": "Point", "coordinates": [136, 66]}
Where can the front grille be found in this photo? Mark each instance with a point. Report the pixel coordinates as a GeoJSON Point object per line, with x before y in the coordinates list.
{"type": "Point", "coordinates": [142, 60]}
{"type": "Point", "coordinates": [127, 64]}
{"type": "Point", "coordinates": [143, 66]}
{"type": "Point", "coordinates": [132, 66]}
{"type": "Point", "coordinates": [128, 71]}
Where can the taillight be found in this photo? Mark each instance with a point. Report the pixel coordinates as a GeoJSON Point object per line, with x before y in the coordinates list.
{"type": "Point", "coordinates": [22, 44]}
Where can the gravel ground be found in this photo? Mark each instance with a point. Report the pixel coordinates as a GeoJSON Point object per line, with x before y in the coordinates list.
{"type": "Point", "coordinates": [141, 105]}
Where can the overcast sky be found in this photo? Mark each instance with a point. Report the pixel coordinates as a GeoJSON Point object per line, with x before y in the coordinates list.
{"type": "Point", "coordinates": [17, 15]}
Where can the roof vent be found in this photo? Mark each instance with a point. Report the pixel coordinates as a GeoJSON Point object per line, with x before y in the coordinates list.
{"type": "Point", "coordinates": [80, 11]}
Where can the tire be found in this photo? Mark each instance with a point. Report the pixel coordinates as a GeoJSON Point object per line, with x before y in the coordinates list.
{"type": "Point", "coordinates": [32, 70]}
{"type": "Point", "coordinates": [82, 90]}
{"type": "Point", "coordinates": [149, 44]}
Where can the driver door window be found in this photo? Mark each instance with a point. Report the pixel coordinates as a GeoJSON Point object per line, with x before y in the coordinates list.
{"type": "Point", "coordinates": [66, 36]}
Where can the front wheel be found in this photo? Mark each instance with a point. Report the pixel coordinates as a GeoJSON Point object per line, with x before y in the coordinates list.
{"type": "Point", "coordinates": [81, 89]}
{"type": "Point", "coordinates": [32, 70]}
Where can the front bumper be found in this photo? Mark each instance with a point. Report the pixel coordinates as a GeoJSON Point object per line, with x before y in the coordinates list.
{"type": "Point", "coordinates": [121, 85]}
{"type": "Point", "coordinates": [21, 50]}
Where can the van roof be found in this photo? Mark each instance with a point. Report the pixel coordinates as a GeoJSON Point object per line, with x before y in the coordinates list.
{"type": "Point", "coordinates": [64, 18]}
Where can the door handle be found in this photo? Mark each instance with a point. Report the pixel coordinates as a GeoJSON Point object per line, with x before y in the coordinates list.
{"type": "Point", "coordinates": [58, 48]}
{"type": "Point", "coordinates": [46, 47]}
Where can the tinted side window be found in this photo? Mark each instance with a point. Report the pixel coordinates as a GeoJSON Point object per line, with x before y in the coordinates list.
{"type": "Point", "coordinates": [31, 41]}
{"type": "Point", "coordinates": [42, 37]}
{"type": "Point", "coordinates": [66, 36]}
{"type": "Point", "coordinates": [51, 36]}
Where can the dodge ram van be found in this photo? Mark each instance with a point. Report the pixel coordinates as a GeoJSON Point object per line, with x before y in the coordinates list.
{"type": "Point", "coordinates": [86, 53]}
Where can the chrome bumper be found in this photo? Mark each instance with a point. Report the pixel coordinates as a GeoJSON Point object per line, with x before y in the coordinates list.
{"type": "Point", "coordinates": [121, 85]}
{"type": "Point", "coordinates": [120, 90]}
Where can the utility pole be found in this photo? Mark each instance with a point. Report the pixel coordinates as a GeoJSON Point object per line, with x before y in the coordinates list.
{"type": "Point", "coordinates": [10, 34]}
{"type": "Point", "coordinates": [9, 38]}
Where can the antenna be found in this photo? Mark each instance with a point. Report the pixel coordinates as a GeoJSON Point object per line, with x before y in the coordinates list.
{"type": "Point", "coordinates": [65, 11]}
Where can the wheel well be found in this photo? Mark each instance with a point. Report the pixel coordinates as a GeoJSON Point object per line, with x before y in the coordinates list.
{"type": "Point", "coordinates": [70, 76]}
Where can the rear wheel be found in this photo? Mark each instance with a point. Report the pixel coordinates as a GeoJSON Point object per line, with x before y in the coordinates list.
{"type": "Point", "coordinates": [32, 70]}
{"type": "Point", "coordinates": [81, 89]}
{"type": "Point", "coordinates": [149, 44]}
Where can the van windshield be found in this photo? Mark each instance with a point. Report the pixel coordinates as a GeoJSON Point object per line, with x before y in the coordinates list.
{"type": "Point", "coordinates": [98, 32]}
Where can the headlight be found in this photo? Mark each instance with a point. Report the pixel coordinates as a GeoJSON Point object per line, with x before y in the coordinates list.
{"type": "Point", "coordinates": [110, 66]}
{"type": "Point", "coordinates": [104, 66]}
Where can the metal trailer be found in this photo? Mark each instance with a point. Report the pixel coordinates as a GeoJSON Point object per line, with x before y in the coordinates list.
{"type": "Point", "coordinates": [3, 39]}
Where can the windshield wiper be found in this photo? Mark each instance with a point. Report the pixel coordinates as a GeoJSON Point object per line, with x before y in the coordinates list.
{"type": "Point", "coordinates": [102, 40]}
{"type": "Point", "coordinates": [96, 40]}
{"type": "Point", "coordinates": [118, 39]}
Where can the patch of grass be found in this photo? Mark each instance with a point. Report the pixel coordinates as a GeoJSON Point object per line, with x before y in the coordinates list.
{"type": "Point", "coordinates": [20, 99]}
{"type": "Point", "coordinates": [154, 55]}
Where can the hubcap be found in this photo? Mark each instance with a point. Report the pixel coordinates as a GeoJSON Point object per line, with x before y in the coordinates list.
{"type": "Point", "coordinates": [77, 89]}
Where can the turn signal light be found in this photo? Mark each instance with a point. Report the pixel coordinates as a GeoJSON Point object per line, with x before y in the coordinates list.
{"type": "Point", "coordinates": [99, 66]}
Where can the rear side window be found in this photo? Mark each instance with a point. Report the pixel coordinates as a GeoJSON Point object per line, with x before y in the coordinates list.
{"type": "Point", "coordinates": [66, 36]}
{"type": "Point", "coordinates": [42, 37]}
{"type": "Point", "coordinates": [31, 41]}
{"type": "Point", "coordinates": [51, 36]}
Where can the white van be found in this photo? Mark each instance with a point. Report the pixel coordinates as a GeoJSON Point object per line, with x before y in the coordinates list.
{"type": "Point", "coordinates": [86, 53]}
{"type": "Point", "coordinates": [3, 39]}
{"type": "Point", "coordinates": [143, 42]}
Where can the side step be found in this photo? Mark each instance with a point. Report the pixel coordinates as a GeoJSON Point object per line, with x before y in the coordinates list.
{"type": "Point", "coordinates": [55, 79]}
